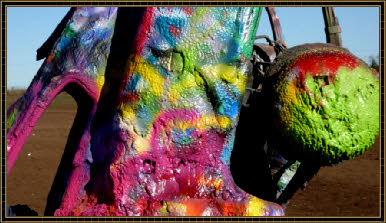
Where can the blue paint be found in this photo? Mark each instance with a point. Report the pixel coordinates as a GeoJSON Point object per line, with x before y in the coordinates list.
{"type": "Point", "coordinates": [182, 137]}
{"type": "Point", "coordinates": [87, 38]}
{"type": "Point", "coordinates": [144, 117]}
{"type": "Point", "coordinates": [227, 150]}
{"type": "Point", "coordinates": [162, 25]}
{"type": "Point", "coordinates": [152, 59]}
{"type": "Point", "coordinates": [239, 27]}
{"type": "Point", "coordinates": [162, 71]}
{"type": "Point", "coordinates": [64, 42]}
{"type": "Point", "coordinates": [229, 108]}
{"type": "Point", "coordinates": [146, 113]}
{"type": "Point", "coordinates": [233, 50]}
{"type": "Point", "coordinates": [229, 101]}
{"type": "Point", "coordinates": [132, 83]}
{"type": "Point", "coordinates": [177, 135]}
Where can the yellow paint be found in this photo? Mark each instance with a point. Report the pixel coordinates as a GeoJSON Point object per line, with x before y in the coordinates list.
{"type": "Point", "coordinates": [218, 183]}
{"type": "Point", "coordinates": [224, 121]}
{"type": "Point", "coordinates": [173, 95]}
{"type": "Point", "coordinates": [204, 122]}
{"type": "Point", "coordinates": [149, 73]}
{"type": "Point", "coordinates": [100, 81]}
{"type": "Point", "coordinates": [289, 96]}
{"type": "Point", "coordinates": [142, 144]}
{"type": "Point", "coordinates": [175, 208]}
{"type": "Point", "coordinates": [201, 123]}
{"type": "Point", "coordinates": [163, 210]}
{"type": "Point", "coordinates": [292, 92]}
{"type": "Point", "coordinates": [227, 73]}
{"type": "Point", "coordinates": [200, 13]}
{"type": "Point", "coordinates": [208, 181]}
{"type": "Point", "coordinates": [198, 79]}
{"type": "Point", "coordinates": [203, 180]}
{"type": "Point", "coordinates": [183, 124]}
{"type": "Point", "coordinates": [221, 122]}
{"type": "Point", "coordinates": [255, 207]}
{"type": "Point", "coordinates": [186, 83]}
{"type": "Point", "coordinates": [128, 112]}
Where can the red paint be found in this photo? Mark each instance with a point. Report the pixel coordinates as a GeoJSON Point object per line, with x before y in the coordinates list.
{"type": "Point", "coordinates": [232, 208]}
{"type": "Point", "coordinates": [144, 30]}
{"type": "Point", "coordinates": [188, 10]}
{"type": "Point", "coordinates": [130, 97]}
{"type": "Point", "coordinates": [322, 63]}
{"type": "Point", "coordinates": [142, 38]}
{"type": "Point", "coordinates": [174, 30]}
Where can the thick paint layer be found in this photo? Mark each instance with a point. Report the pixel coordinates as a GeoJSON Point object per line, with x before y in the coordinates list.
{"type": "Point", "coordinates": [78, 56]}
{"type": "Point", "coordinates": [328, 104]}
{"type": "Point", "coordinates": [161, 132]}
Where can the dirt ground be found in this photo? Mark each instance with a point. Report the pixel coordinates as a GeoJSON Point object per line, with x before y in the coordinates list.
{"type": "Point", "coordinates": [349, 189]}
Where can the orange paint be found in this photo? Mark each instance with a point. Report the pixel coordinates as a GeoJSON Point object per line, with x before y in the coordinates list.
{"type": "Point", "coordinates": [232, 209]}
{"type": "Point", "coordinates": [195, 207]}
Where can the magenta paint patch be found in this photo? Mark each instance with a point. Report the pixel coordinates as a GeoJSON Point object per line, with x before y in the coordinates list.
{"type": "Point", "coordinates": [165, 102]}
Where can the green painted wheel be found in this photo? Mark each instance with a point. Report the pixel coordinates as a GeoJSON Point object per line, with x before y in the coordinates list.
{"type": "Point", "coordinates": [326, 103]}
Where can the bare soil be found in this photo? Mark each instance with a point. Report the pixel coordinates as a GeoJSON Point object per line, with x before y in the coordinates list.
{"type": "Point", "coordinates": [349, 189]}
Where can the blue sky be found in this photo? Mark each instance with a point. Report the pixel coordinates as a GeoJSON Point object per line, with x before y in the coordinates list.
{"type": "Point", "coordinates": [29, 27]}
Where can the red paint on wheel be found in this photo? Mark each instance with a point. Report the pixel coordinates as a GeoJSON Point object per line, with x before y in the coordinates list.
{"type": "Point", "coordinates": [326, 64]}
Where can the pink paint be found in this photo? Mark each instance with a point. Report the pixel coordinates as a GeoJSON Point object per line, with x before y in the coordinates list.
{"type": "Point", "coordinates": [181, 166]}
{"type": "Point", "coordinates": [70, 196]}
{"type": "Point", "coordinates": [163, 171]}
{"type": "Point", "coordinates": [202, 143]}
{"type": "Point", "coordinates": [164, 119]}
{"type": "Point", "coordinates": [32, 110]}
{"type": "Point", "coordinates": [12, 107]}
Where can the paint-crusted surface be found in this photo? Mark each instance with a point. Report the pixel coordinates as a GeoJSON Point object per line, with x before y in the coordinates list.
{"type": "Point", "coordinates": [326, 101]}
{"type": "Point", "coordinates": [79, 56]}
{"type": "Point", "coordinates": [164, 149]}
